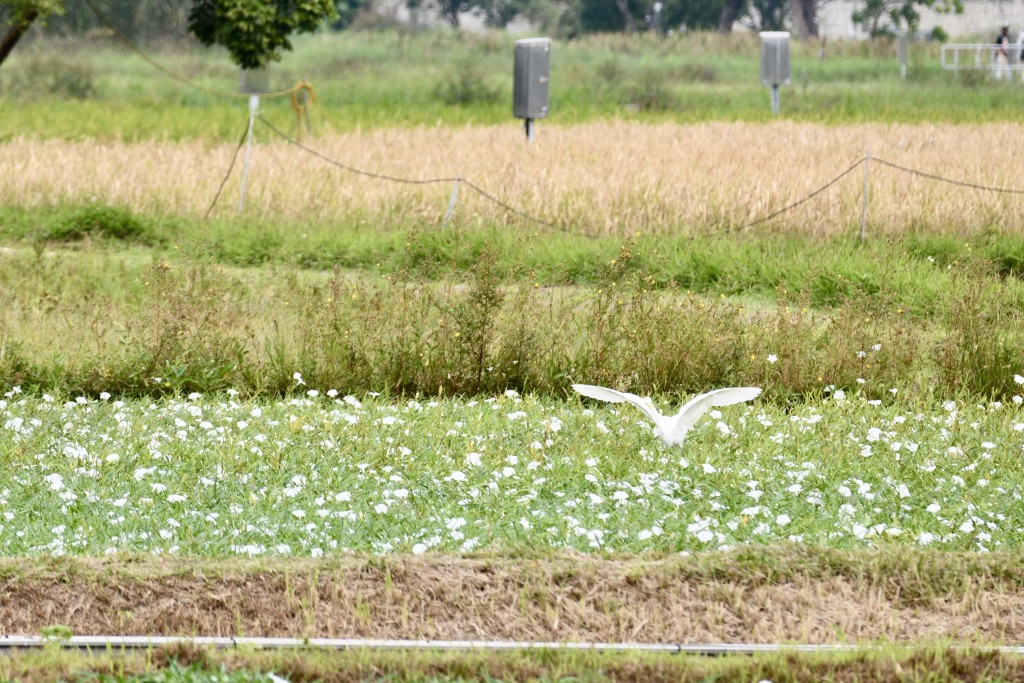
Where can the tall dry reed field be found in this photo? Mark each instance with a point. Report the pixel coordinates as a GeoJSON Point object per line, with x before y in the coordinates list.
{"type": "Point", "coordinates": [606, 178]}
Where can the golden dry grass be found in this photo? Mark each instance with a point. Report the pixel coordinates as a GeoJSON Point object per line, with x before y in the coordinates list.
{"type": "Point", "coordinates": [601, 178]}
{"type": "Point", "coordinates": [558, 598]}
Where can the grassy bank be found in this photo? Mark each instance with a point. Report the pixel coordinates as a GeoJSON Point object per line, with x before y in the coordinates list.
{"type": "Point", "coordinates": [454, 314]}
{"type": "Point", "coordinates": [932, 664]}
{"type": "Point", "coordinates": [368, 80]}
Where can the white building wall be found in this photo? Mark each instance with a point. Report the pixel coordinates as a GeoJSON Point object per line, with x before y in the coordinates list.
{"type": "Point", "coordinates": [980, 20]}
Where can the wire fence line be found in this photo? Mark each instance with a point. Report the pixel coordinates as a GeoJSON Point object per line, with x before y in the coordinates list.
{"type": "Point", "coordinates": [420, 181]}
{"type": "Point", "coordinates": [942, 179]}
{"type": "Point", "coordinates": [457, 180]}
{"type": "Point", "coordinates": [302, 108]}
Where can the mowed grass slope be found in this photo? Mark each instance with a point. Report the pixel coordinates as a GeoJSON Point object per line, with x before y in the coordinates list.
{"type": "Point", "coordinates": [375, 79]}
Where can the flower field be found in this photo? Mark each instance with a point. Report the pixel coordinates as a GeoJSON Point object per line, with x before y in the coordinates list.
{"type": "Point", "coordinates": [326, 474]}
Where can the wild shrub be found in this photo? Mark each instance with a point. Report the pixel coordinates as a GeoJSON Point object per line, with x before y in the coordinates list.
{"type": "Point", "coordinates": [47, 76]}
{"type": "Point", "coordinates": [650, 91]}
{"type": "Point", "coordinates": [983, 348]}
{"type": "Point", "coordinates": [191, 337]}
{"type": "Point", "coordinates": [96, 221]}
{"type": "Point", "coordinates": [466, 84]}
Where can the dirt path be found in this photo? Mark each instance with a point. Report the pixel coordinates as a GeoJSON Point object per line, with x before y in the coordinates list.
{"type": "Point", "coordinates": [580, 598]}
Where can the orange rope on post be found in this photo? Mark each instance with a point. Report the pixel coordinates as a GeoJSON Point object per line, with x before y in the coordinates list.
{"type": "Point", "coordinates": [303, 97]}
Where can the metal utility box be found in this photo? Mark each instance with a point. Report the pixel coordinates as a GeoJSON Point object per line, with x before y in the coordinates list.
{"type": "Point", "coordinates": [532, 88]}
{"type": "Point", "coordinates": [254, 81]}
{"type": "Point", "coordinates": [775, 57]}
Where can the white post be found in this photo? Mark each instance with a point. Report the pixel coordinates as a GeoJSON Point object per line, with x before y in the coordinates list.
{"type": "Point", "coordinates": [254, 105]}
{"type": "Point", "coordinates": [451, 201]}
{"type": "Point", "coordinates": [864, 205]}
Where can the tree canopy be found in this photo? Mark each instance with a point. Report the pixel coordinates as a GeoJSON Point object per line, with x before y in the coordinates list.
{"type": "Point", "coordinates": [255, 32]}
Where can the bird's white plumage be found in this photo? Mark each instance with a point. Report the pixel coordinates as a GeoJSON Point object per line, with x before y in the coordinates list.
{"type": "Point", "coordinates": [673, 428]}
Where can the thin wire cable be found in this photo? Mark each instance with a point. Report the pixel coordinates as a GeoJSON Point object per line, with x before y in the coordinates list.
{"type": "Point", "coordinates": [353, 169]}
{"type": "Point", "coordinates": [223, 182]}
{"type": "Point", "coordinates": [961, 183]}
{"type": "Point", "coordinates": [175, 76]}
{"type": "Point", "coordinates": [788, 207]}
{"type": "Point", "coordinates": [522, 214]}
{"type": "Point", "coordinates": [427, 181]}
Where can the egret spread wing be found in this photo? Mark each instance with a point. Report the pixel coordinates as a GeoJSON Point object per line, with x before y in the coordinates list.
{"type": "Point", "coordinates": [693, 409]}
{"type": "Point", "coordinates": [613, 396]}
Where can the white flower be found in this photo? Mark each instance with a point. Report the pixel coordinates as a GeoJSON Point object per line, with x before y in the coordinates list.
{"type": "Point", "coordinates": [783, 520]}
{"type": "Point", "coordinates": [312, 393]}
{"type": "Point", "coordinates": [772, 358]}
{"type": "Point", "coordinates": [104, 396]}
{"type": "Point", "coordinates": [55, 481]}
{"type": "Point", "coordinates": [839, 395]}
{"type": "Point", "coordinates": [1018, 379]}
{"type": "Point", "coordinates": [933, 508]}
{"type": "Point", "coordinates": [644, 535]}
{"type": "Point", "coordinates": [709, 468]}
{"type": "Point", "coordinates": [380, 508]}
{"type": "Point", "coordinates": [458, 475]}
{"type": "Point", "coordinates": [298, 378]}
{"type": "Point", "coordinates": [419, 549]}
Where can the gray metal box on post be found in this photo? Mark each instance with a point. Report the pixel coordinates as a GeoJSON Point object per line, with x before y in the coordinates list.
{"type": "Point", "coordinates": [775, 62]}
{"type": "Point", "coordinates": [531, 91]}
{"type": "Point", "coordinates": [254, 81]}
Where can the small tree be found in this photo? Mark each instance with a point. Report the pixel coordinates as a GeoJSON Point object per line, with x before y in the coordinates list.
{"type": "Point", "coordinates": [18, 16]}
{"type": "Point", "coordinates": [899, 13]}
{"type": "Point", "coordinates": [255, 32]}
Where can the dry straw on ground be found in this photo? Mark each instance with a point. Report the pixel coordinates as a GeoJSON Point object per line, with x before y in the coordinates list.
{"type": "Point", "coordinates": [602, 178]}
{"type": "Point", "coordinates": [569, 598]}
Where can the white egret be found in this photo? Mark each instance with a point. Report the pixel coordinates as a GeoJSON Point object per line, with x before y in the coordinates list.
{"type": "Point", "coordinates": [673, 428]}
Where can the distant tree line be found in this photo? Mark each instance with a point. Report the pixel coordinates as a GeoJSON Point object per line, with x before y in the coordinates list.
{"type": "Point", "coordinates": [258, 29]}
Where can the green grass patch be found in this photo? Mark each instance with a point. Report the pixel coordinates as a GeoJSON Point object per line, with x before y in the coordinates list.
{"type": "Point", "coordinates": [201, 326]}
{"type": "Point", "coordinates": [933, 664]}
{"type": "Point", "coordinates": [368, 80]}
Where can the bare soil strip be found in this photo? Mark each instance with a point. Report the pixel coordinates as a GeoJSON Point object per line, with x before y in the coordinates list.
{"type": "Point", "coordinates": [755, 595]}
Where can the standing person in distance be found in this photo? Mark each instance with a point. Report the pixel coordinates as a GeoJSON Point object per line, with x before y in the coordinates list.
{"type": "Point", "coordinates": [1001, 56]}
{"type": "Point", "coordinates": [1020, 44]}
